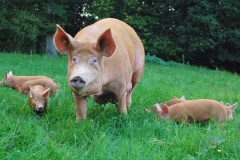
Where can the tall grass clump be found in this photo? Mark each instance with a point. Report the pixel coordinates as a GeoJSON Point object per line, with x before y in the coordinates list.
{"type": "Point", "coordinates": [107, 135]}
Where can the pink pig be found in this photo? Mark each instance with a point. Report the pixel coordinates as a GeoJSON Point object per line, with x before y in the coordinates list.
{"type": "Point", "coordinates": [105, 61]}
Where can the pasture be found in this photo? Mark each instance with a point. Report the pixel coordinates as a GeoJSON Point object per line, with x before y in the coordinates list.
{"type": "Point", "coordinates": [105, 135]}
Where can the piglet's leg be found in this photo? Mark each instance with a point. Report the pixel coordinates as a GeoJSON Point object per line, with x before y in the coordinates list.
{"type": "Point", "coordinates": [81, 106]}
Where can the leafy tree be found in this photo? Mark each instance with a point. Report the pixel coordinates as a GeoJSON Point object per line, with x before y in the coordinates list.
{"type": "Point", "coordinates": [77, 16]}
{"type": "Point", "coordinates": [198, 32]}
{"type": "Point", "coordinates": [23, 23]}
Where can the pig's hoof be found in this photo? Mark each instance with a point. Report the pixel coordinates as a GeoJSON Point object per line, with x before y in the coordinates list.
{"type": "Point", "coordinates": [78, 119]}
{"type": "Point", "coordinates": [77, 82]}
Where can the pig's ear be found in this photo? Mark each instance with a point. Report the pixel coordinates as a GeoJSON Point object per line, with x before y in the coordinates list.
{"type": "Point", "coordinates": [6, 73]}
{"type": "Point", "coordinates": [158, 108]}
{"type": "Point", "coordinates": [10, 73]}
{"type": "Point", "coordinates": [46, 92]}
{"type": "Point", "coordinates": [234, 106]}
{"type": "Point", "coordinates": [106, 44]}
{"type": "Point", "coordinates": [31, 93]}
{"type": "Point", "coordinates": [165, 109]}
{"type": "Point", "coordinates": [183, 98]}
{"type": "Point", "coordinates": [63, 41]}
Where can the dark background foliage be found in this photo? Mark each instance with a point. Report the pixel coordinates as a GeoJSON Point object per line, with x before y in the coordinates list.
{"type": "Point", "coordinates": [204, 33]}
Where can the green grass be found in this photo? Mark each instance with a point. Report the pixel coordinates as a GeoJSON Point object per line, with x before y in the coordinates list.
{"type": "Point", "coordinates": [107, 135]}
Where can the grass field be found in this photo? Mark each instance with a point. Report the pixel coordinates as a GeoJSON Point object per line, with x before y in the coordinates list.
{"type": "Point", "coordinates": [105, 135]}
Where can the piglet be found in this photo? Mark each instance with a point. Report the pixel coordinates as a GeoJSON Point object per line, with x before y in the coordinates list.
{"type": "Point", "coordinates": [38, 98]}
{"type": "Point", "coordinates": [46, 83]}
{"type": "Point", "coordinates": [199, 110]}
{"type": "Point", "coordinates": [11, 80]}
{"type": "Point", "coordinates": [230, 110]}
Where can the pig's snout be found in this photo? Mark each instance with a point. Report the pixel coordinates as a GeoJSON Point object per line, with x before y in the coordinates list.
{"type": "Point", "coordinates": [77, 82]}
{"type": "Point", "coordinates": [39, 108]}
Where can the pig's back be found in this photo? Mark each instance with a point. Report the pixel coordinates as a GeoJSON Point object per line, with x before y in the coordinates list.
{"type": "Point", "coordinates": [202, 109]}
{"type": "Point", "coordinates": [173, 101]}
{"type": "Point", "coordinates": [38, 88]}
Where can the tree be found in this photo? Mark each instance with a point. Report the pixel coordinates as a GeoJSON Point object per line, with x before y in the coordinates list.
{"type": "Point", "coordinates": [198, 32]}
{"type": "Point", "coordinates": [24, 23]}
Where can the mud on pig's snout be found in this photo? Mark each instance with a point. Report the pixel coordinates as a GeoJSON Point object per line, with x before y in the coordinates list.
{"type": "Point", "coordinates": [77, 82]}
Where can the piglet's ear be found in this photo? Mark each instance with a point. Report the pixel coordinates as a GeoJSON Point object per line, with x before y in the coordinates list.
{"type": "Point", "coordinates": [165, 109]}
{"type": "Point", "coordinates": [8, 75]}
{"type": "Point", "coordinates": [63, 41]}
{"type": "Point", "coordinates": [46, 92]}
{"type": "Point", "coordinates": [183, 98]}
{"type": "Point", "coordinates": [234, 106]}
{"type": "Point", "coordinates": [106, 44]}
{"type": "Point", "coordinates": [31, 93]}
{"type": "Point", "coordinates": [158, 108]}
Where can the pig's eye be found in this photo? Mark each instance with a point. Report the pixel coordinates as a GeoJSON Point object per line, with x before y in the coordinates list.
{"type": "Point", "coordinates": [93, 60]}
{"type": "Point", "coordinates": [75, 59]}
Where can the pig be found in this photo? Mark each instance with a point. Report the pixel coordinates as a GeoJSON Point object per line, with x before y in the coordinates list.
{"type": "Point", "coordinates": [11, 80]}
{"type": "Point", "coordinates": [170, 102]}
{"type": "Point", "coordinates": [38, 99]}
{"type": "Point", "coordinates": [230, 110]}
{"type": "Point", "coordinates": [199, 110]}
{"type": "Point", "coordinates": [105, 62]}
{"type": "Point", "coordinates": [46, 83]}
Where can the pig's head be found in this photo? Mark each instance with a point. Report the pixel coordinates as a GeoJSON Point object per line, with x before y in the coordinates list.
{"type": "Point", "coordinates": [230, 110]}
{"type": "Point", "coordinates": [85, 59]}
{"type": "Point", "coordinates": [38, 100]}
{"type": "Point", "coordinates": [8, 80]}
{"type": "Point", "coordinates": [163, 112]}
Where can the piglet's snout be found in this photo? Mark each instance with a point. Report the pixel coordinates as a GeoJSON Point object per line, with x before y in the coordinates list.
{"type": "Point", "coordinates": [77, 82]}
{"type": "Point", "coordinates": [40, 108]}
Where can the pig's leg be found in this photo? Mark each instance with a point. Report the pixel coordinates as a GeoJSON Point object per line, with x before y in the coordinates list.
{"type": "Point", "coordinates": [136, 77]}
{"type": "Point", "coordinates": [129, 95]}
{"type": "Point", "coordinates": [121, 98]}
{"type": "Point", "coordinates": [81, 106]}
{"type": "Point", "coordinates": [130, 86]}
